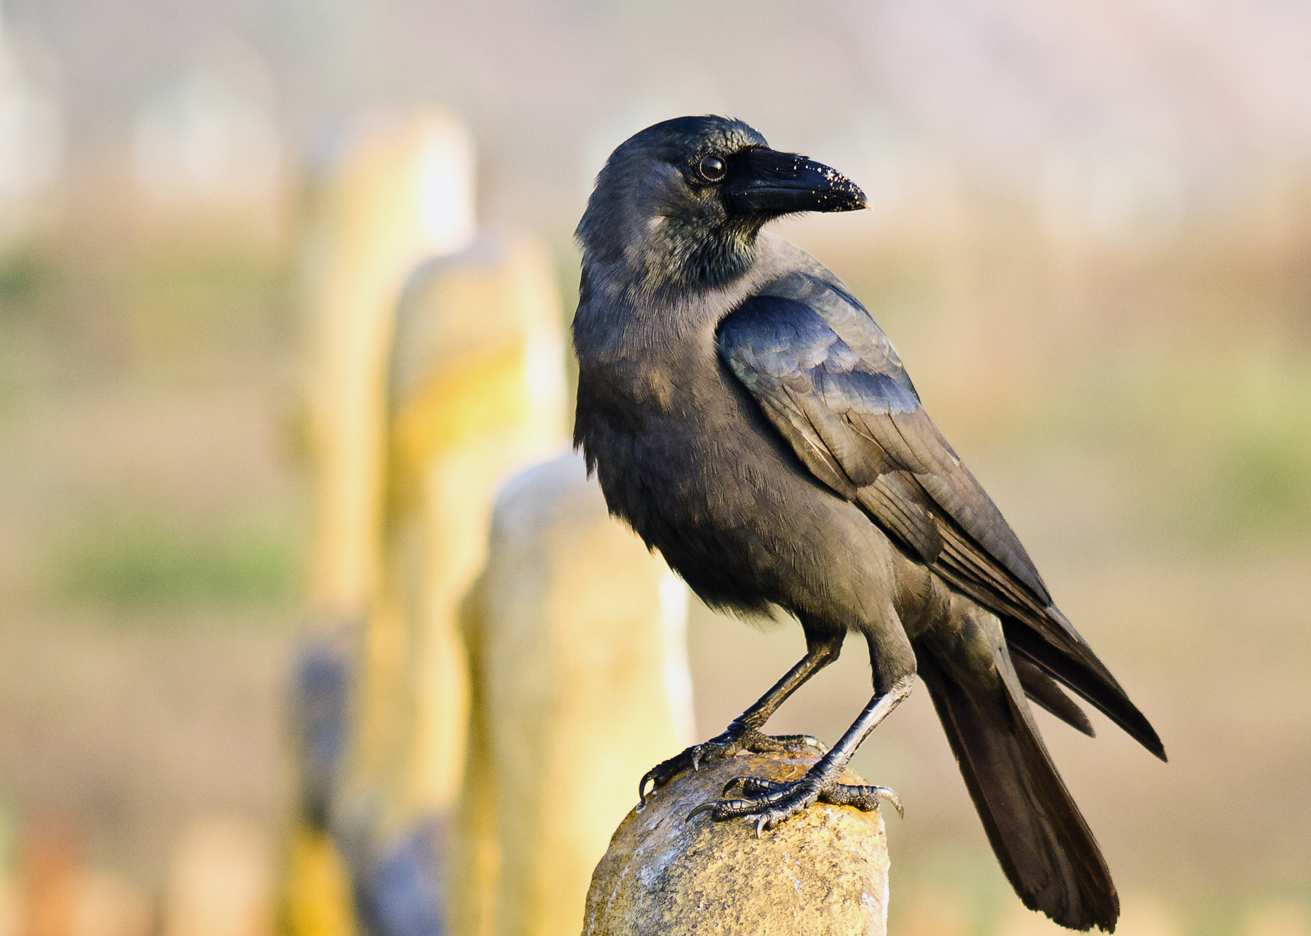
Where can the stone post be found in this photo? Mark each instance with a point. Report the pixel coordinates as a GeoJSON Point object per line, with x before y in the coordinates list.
{"type": "Point", "coordinates": [477, 389]}
{"type": "Point", "coordinates": [397, 190]}
{"type": "Point", "coordinates": [580, 683]}
{"type": "Point", "coordinates": [374, 219]}
{"type": "Point", "coordinates": [821, 873]}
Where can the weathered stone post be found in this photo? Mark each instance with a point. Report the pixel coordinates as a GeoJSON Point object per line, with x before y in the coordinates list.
{"type": "Point", "coordinates": [477, 388]}
{"type": "Point", "coordinates": [821, 873]}
{"type": "Point", "coordinates": [398, 190]}
{"type": "Point", "coordinates": [580, 683]}
{"type": "Point", "coordinates": [371, 225]}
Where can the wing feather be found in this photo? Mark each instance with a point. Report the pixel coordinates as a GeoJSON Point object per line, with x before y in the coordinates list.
{"type": "Point", "coordinates": [831, 383]}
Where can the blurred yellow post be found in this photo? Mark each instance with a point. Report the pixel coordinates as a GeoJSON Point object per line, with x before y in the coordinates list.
{"type": "Point", "coordinates": [320, 902]}
{"type": "Point", "coordinates": [578, 637]}
{"type": "Point", "coordinates": [399, 192]}
{"type": "Point", "coordinates": [477, 387]}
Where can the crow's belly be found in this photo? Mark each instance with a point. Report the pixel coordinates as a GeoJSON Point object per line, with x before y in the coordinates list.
{"type": "Point", "coordinates": [735, 518]}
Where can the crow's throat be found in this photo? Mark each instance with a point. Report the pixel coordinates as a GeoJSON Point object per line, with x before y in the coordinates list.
{"type": "Point", "coordinates": [705, 256]}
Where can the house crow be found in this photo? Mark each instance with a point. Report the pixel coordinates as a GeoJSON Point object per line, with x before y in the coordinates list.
{"type": "Point", "coordinates": [748, 418]}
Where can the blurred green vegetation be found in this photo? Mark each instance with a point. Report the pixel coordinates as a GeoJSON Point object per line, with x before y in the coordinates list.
{"type": "Point", "coordinates": [24, 271]}
{"type": "Point", "coordinates": [151, 561]}
{"type": "Point", "coordinates": [27, 271]}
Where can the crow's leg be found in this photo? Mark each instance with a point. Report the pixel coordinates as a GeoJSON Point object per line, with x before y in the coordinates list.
{"type": "Point", "coordinates": [743, 733]}
{"type": "Point", "coordinates": [769, 803]}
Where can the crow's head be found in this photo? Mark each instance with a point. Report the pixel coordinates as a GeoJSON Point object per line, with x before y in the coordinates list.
{"type": "Point", "coordinates": [681, 202]}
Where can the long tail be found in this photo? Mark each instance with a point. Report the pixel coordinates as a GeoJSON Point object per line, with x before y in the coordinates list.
{"type": "Point", "coordinates": [1041, 839]}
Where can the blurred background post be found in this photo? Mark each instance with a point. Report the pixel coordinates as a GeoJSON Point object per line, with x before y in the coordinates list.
{"type": "Point", "coordinates": [419, 403]}
{"type": "Point", "coordinates": [398, 190]}
{"type": "Point", "coordinates": [1109, 204]}
{"type": "Point", "coordinates": [578, 638]}
{"type": "Point", "coordinates": [476, 388]}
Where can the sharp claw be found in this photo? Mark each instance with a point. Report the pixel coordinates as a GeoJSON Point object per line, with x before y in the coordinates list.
{"type": "Point", "coordinates": [704, 807]}
{"type": "Point", "coordinates": [767, 803]}
{"type": "Point", "coordinates": [817, 744]}
{"type": "Point", "coordinates": [895, 800]}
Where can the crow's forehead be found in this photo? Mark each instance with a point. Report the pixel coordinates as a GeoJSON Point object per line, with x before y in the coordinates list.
{"type": "Point", "coordinates": [733, 137]}
{"type": "Point", "coordinates": [685, 136]}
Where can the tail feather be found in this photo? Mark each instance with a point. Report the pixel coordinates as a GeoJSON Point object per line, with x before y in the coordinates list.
{"type": "Point", "coordinates": [1041, 839]}
{"type": "Point", "coordinates": [1042, 689]}
{"type": "Point", "coordinates": [1097, 687]}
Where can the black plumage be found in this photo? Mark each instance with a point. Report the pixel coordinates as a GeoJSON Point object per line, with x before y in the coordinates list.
{"type": "Point", "coordinates": [747, 416]}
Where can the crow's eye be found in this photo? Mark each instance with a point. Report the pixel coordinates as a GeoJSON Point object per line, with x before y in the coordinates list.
{"type": "Point", "coordinates": [711, 168]}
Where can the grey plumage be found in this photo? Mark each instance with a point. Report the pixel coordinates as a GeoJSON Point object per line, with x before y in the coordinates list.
{"type": "Point", "coordinates": [748, 418]}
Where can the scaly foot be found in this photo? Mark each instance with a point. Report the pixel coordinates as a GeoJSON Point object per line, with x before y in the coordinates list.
{"type": "Point", "coordinates": [731, 742]}
{"type": "Point", "coordinates": [769, 803]}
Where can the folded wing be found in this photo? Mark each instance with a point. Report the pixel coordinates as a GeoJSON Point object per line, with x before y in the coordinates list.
{"type": "Point", "coordinates": [830, 382]}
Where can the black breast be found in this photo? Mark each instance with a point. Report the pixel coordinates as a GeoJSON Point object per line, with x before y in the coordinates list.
{"type": "Point", "coordinates": [702, 476]}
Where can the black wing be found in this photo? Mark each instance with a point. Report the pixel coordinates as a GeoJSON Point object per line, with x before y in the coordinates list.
{"type": "Point", "coordinates": [831, 383]}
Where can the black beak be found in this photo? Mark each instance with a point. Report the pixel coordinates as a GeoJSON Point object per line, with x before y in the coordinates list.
{"type": "Point", "coordinates": [766, 182]}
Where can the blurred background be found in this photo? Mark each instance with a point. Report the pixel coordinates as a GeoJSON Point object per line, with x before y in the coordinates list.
{"type": "Point", "coordinates": [1090, 241]}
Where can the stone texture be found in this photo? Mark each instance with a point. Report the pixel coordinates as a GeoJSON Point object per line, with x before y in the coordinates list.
{"type": "Point", "coordinates": [823, 872]}
{"type": "Point", "coordinates": [577, 647]}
